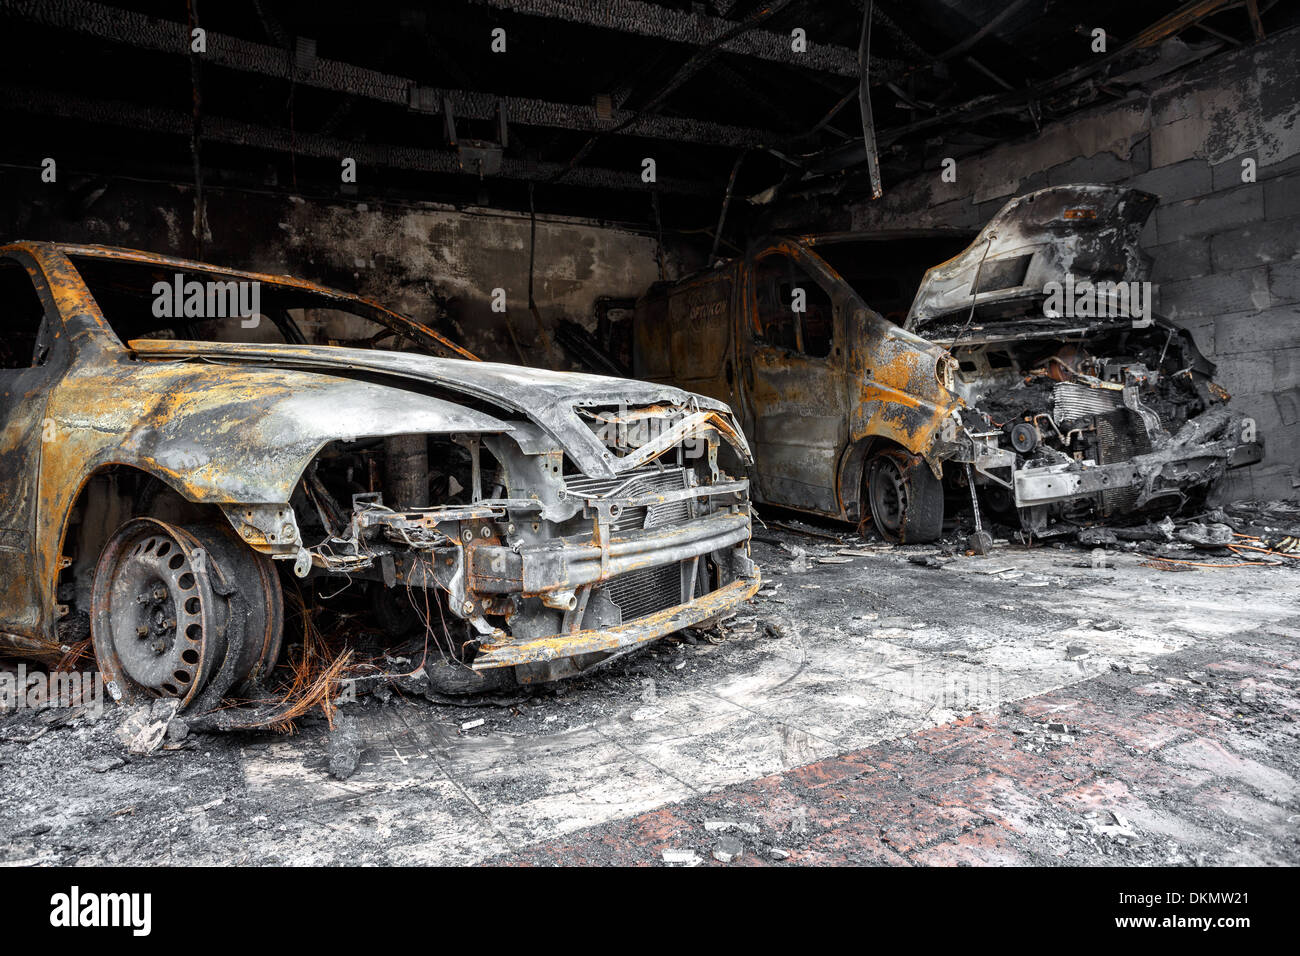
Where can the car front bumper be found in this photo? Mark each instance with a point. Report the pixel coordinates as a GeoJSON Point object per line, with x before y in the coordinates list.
{"type": "Point", "coordinates": [1201, 452]}
{"type": "Point", "coordinates": [621, 637]}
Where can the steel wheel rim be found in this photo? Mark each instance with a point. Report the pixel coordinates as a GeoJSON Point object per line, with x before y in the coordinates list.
{"type": "Point", "coordinates": [889, 494]}
{"type": "Point", "coordinates": [152, 627]}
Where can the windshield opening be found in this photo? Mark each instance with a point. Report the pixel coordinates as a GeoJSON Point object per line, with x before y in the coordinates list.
{"type": "Point", "coordinates": [886, 274]}
{"type": "Point", "coordinates": [145, 300]}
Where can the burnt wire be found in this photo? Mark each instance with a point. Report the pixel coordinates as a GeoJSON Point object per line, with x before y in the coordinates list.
{"type": "Point", "coordinates": [1168, 338]}
{"type": "Point", "coordinates": [974, 291]}
{"type": "Point", "coordinates": [328, 597]}
{"type": "Point", "coordinates": [450, 651]}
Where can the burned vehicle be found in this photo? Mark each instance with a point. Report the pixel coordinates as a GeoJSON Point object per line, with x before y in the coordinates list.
{"type": "Point", "coordinates": [1027, 378]}
{"type": "Point", "coordinates": [178, 456]}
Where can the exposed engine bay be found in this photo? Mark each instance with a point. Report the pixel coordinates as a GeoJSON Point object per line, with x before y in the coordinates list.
{"type": "Point", "coordinates": [511, 559]}
{"type": "Point", "coordinates": [1117, 421]}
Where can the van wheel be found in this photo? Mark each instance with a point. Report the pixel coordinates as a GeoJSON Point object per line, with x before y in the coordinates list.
{"type": "Point", "coordinates": [999, 504]}
{"type": "Point", "coordinates": [905, 498]}
{"type": "Point", "coordinates": [184, 611]}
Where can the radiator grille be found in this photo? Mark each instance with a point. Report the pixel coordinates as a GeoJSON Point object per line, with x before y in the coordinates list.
{"type": "Point", "coordinates": [643, 481]}
{"type": "Point", "coordinates": [1072, 402]}
{"type": "Point", "coordinates": [1120, 436]}
{"type": "Point", "coordinates": [639, 593]}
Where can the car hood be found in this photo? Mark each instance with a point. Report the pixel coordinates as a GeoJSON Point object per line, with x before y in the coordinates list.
{"type": "Point", "coordinates": [550, 399]}
{"type": "Point", "coordinates": [1084, 231]}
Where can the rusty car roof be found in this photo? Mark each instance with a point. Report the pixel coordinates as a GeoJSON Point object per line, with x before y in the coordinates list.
{"type": "Point", "coordinates": [123, 254]}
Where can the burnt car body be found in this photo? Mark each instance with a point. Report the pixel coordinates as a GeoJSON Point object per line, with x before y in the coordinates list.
{"type": "Point", "coordinates": [157, 475]}
{"type": "Point", "coordinates": [1052, 415]}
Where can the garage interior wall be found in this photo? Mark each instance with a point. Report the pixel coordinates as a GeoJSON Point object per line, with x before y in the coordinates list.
{"type": "Point", "coordinates": [1225, 251]}
{"type": "Point", "coordinates": [423, 260]}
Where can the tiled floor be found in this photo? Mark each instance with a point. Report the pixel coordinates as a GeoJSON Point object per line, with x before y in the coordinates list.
{"type": "Point", "coordinates": [1117, 768]}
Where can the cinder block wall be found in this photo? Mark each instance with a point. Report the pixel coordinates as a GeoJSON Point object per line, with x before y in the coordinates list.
{"type": "Point", "coordinates": [1226, 252]}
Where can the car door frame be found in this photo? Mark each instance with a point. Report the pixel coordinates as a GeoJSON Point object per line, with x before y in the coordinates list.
{"type": "Point", "coordinates": [828, 371]}
{"type": "Point", "coordinates": [24, 605]}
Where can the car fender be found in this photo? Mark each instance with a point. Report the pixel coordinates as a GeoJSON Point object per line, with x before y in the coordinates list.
{"type": "Point", "coordinates": [226, 435]}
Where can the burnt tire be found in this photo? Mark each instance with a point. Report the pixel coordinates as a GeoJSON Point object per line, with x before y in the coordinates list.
{"type": "Point", "coordinates": [998, 504]}
{"type": "Point", "coordinates": [184, 611]}
{"type": "Point", "coordinates": [904, 497]}
{"type": "Point", "coordinates": [394, 612]}
{"type": "Point", "coordinates": [452, 679]}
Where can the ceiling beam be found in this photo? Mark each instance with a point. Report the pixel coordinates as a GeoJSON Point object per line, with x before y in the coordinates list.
{"type": "Point", "coordinates": [1182, 18]}
{"type": "Point", "coordinates": [696, 29]}
{"type": "Point", "coordinates": [166, 36]}
{"type": "Point", "coordinates": [982, 107]}
{"type": "Point", "coordinates": [233, 132]}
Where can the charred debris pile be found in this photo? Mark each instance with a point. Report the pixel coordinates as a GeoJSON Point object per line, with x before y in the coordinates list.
{"type": "Point", "coordinates": [1243, 533]}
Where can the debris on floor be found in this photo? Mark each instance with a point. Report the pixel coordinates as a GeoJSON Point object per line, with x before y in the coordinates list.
{"type": "Point", "coordinates": [344, 747]}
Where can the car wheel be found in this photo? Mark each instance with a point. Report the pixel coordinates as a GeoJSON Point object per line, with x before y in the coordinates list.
{"type": "Point", "coordinates": [905, 498]}
{"type": "Point", "coordinates": [999, 504]}
{"type": "Point", "coordinates": [184, 611]}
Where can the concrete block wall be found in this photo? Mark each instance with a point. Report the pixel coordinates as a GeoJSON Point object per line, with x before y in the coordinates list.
{"type": "Point", "coordinates": [1226, 253]}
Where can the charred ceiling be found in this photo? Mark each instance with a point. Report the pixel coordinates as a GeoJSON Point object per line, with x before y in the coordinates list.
{"type": "Point", "coordinates": [716, 93]}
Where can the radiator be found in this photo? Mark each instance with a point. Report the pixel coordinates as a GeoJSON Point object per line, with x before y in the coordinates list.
{"type": "Point", "coordinates": [639, 593]}
{"type": "Point", "coordinates": [645, 480]}
{"type": "Point", "coordinates": [1072, 402]}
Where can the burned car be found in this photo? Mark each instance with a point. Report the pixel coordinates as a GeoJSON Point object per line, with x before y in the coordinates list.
{"type": "Point", "coordinates": [183, 445]}
{"type": "Point", "coordinates": [1028, 377]}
